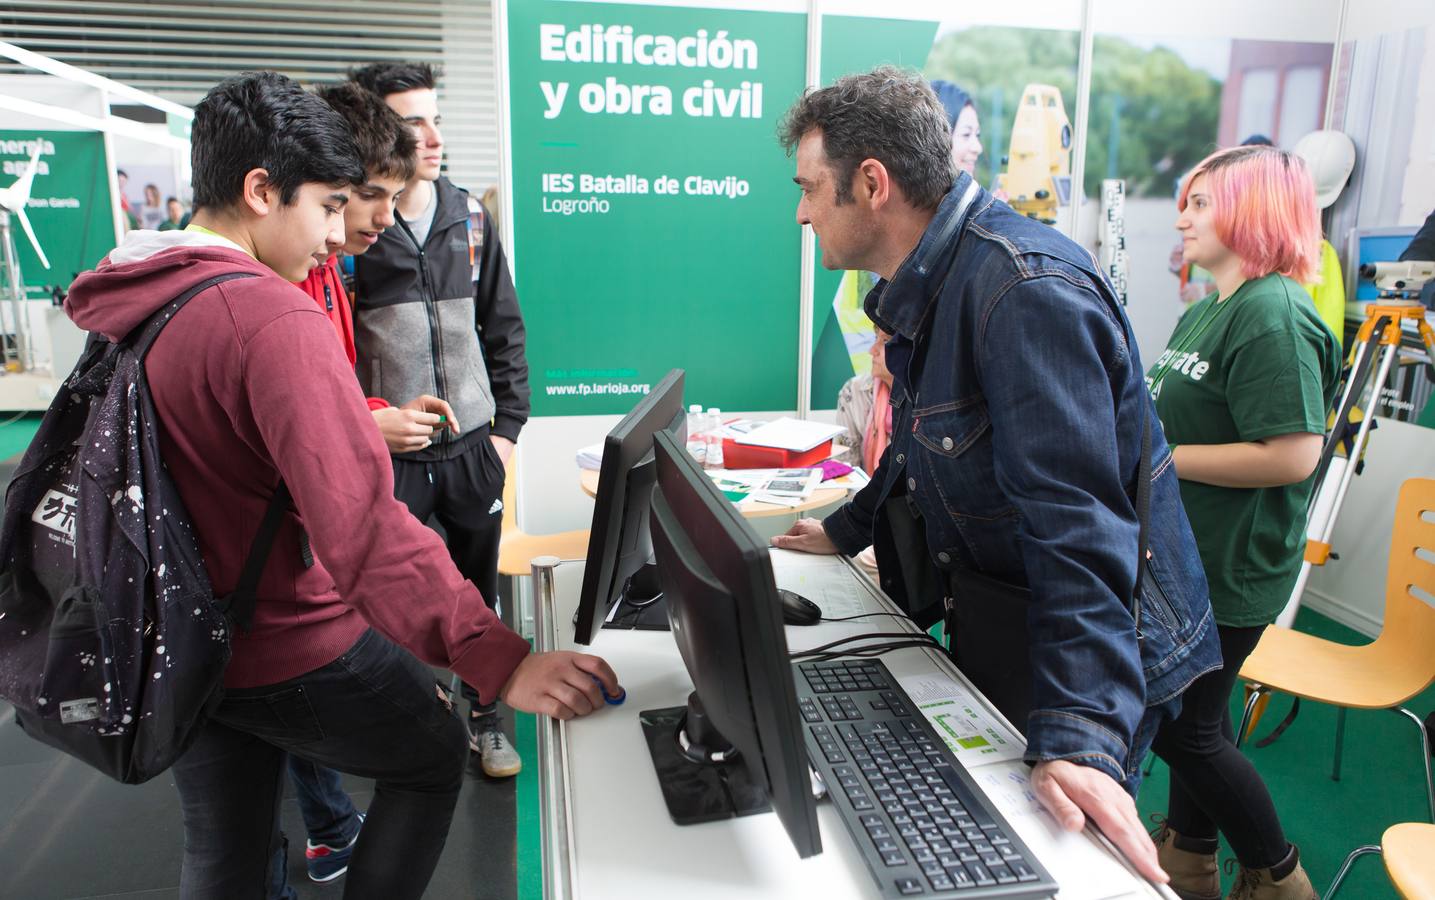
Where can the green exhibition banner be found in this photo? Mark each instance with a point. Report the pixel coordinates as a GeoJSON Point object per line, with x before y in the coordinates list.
{"type": "Point", "coordinates": [69, 204]}
{"type": "Point", "coordinates": [841, 331]}
{"type": "Point", "coordinates": [653, 208]}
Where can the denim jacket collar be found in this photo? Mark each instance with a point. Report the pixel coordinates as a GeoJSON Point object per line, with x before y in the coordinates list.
{"type": "Point", "coordinates": [900, 305]}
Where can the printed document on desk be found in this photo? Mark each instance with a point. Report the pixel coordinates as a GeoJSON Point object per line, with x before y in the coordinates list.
{"type": "Point", "coordinates": [798, 435]}
{"type": "Point", "coordinates": [973, 734]}
{"type": "Point", "coordinates": [825, 580]}
{"type": "Point", "coordinates": [1067, 855]}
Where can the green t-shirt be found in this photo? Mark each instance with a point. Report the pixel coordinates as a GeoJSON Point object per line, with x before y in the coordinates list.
{"type": "Point", "coordinates": [1258, 365]}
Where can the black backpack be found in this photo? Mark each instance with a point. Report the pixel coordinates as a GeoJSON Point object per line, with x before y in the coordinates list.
{"type": "Point", "coordinates": [112, 644]}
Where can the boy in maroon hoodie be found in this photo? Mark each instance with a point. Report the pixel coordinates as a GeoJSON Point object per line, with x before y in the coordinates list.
{"type": "Point", "coordinates": [252, 387]}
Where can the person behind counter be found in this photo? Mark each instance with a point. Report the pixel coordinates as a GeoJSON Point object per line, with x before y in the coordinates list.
{"type": "Point", "coordinates": [1242, 389]}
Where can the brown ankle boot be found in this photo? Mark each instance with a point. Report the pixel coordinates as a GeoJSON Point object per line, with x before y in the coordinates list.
{"type": "Point", "coordinates": [1259, 884]}
{"type": "Point", "coordinates": [1194, 876]}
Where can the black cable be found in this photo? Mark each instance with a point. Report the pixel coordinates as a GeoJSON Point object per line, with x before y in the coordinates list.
{"type": "Point", "coordinates": [869, 650]}
{"type": "Point", "coordinates": [872, 649]}
{"type": "Point", "coordinates": [864, 616]}
{"type": "Point", "coordinates": [858, 637]}
{"type": "Point", "coordinates": [829, 649]}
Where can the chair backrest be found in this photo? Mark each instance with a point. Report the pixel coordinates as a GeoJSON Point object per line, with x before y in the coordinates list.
{"type": "Point", "coordinates": [1410, 620]}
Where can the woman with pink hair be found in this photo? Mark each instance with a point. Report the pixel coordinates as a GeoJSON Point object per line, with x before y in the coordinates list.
{"type": "Point", "coordinates": [1242, 391]}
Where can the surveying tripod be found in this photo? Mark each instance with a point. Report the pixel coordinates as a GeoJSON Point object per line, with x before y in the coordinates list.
{"type": "Point", "coordinates": [1377, 348]}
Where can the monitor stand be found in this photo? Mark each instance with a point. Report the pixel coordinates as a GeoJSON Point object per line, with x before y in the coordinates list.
{"type": "Point", "coordinates": [641, 605]}
{"type": "Point", "coordinates": [701, 776]}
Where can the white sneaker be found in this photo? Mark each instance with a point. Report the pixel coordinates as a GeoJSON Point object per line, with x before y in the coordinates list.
{"type": "Point", "coordinates": [495, 751]}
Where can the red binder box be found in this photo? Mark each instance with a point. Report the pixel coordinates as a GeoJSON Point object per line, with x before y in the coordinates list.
{"type": "Point", "coordinates": [751, 456]}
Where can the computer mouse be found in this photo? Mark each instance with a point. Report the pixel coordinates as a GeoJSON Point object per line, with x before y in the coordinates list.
{"type": "Point", "coordinates": [797, 609]}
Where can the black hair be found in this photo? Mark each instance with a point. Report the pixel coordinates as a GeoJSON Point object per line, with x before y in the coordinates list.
{"type": "Point", "coordinates": [385, 78]}
{"type": "Point", "coordinates": [952, 98]}
{"type": "Point", "coordinates": [169, 200]}
{"type": "Point", "coordinates": [386, 143]}
{"type": "Point", "coordinates": [122, 172]}
{"type": "Point", "coordinates": [264, 120]}
{"type": "Point", "coordinates": [889, 115]}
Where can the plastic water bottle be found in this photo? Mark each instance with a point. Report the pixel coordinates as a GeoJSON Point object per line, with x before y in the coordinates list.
{"type": "Point", "coordinates": [714, 458]}
{"type": "Point", "coordinates": [697, 442]}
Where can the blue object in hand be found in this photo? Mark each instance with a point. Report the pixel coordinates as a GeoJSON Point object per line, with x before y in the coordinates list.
{"type": "Point", "coordinates": [610, 700]}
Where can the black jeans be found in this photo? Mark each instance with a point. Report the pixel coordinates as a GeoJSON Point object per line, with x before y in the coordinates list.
{"type": "Point", "coordinates": [1214, 787]}
{"type": "Point", "coordinates": [374, 712]}
{"type": "Point", "coordinates": [465, 495]}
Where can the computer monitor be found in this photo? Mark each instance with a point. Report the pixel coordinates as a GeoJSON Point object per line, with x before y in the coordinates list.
{"type": "Point", "coordinates": [738, 744]}
{"type": "Point", "coordinates": [619, 548]}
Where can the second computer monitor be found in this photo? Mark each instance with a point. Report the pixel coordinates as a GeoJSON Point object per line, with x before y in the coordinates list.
{"type": "Point", "coordinates": [618, 544]}
{"type": "Point", "coordinates": [716, 573]}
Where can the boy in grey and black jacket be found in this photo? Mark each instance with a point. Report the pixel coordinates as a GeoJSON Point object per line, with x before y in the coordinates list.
{"type": "Point", "coordinates": [435, 313]}
{"type": "Point", "coordinates": [443, 318]}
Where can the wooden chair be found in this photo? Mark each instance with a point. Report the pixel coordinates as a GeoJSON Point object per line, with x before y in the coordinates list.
{"type": "Point", "coordinates": [516, 548]}
{"type": "Point", "coordinates": [1384, 674]}
{"type": "Point", "coordinates": [1409, 852]}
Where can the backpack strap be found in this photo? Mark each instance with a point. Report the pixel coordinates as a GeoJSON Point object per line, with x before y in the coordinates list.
{"type": "Point", "coordinates": [143, 336]}
{"type": "Point", "coordinates": [239, 605]}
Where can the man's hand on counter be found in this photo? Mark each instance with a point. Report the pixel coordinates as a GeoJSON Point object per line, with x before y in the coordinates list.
{"type": "Point", "coordinates": [1072, 793]}
{"type": "Point", "coordinates": [806, 535]}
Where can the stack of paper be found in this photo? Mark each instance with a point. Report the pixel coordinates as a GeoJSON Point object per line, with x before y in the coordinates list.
{"type": "Point", "coordinates": [591, 457]}
{"type": "Point", "coordinates": [797, 435]}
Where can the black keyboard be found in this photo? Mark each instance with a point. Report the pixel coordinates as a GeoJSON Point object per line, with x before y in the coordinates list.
{"type": "Point", "coordinates": [924, 827]}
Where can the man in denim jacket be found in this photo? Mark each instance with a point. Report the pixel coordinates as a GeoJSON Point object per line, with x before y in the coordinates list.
{"type": "Point", "coordinates": [1019, 405]}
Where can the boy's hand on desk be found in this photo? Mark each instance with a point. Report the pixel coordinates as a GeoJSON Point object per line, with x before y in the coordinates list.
{"type": "Point", "coordinates": [806, 535]}
{"type": "Point", "coordinates": [560, 684]}
{"type": "Point", "coordinates": [1071, 792]}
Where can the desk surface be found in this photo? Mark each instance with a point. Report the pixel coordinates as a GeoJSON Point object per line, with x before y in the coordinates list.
{"type": "Point", "coordinates": [607, 835]}
{"type": "Point", "coordinates": [751, 509]}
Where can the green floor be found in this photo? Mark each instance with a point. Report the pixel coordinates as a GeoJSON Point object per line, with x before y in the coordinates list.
{"type": "Point", "coordinates": [530, 852]}
{"type": "Point", "coordinates": [16, 432]}
{"type": "Point", "coordinates": [1382, 779]}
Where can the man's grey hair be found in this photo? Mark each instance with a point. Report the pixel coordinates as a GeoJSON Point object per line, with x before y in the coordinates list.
{"type": "Point", "coordinates": [889, 115]}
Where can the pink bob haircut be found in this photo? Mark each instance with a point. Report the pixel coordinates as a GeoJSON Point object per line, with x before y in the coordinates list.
{"type": "Point", "coordinates": [1263, 200]}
